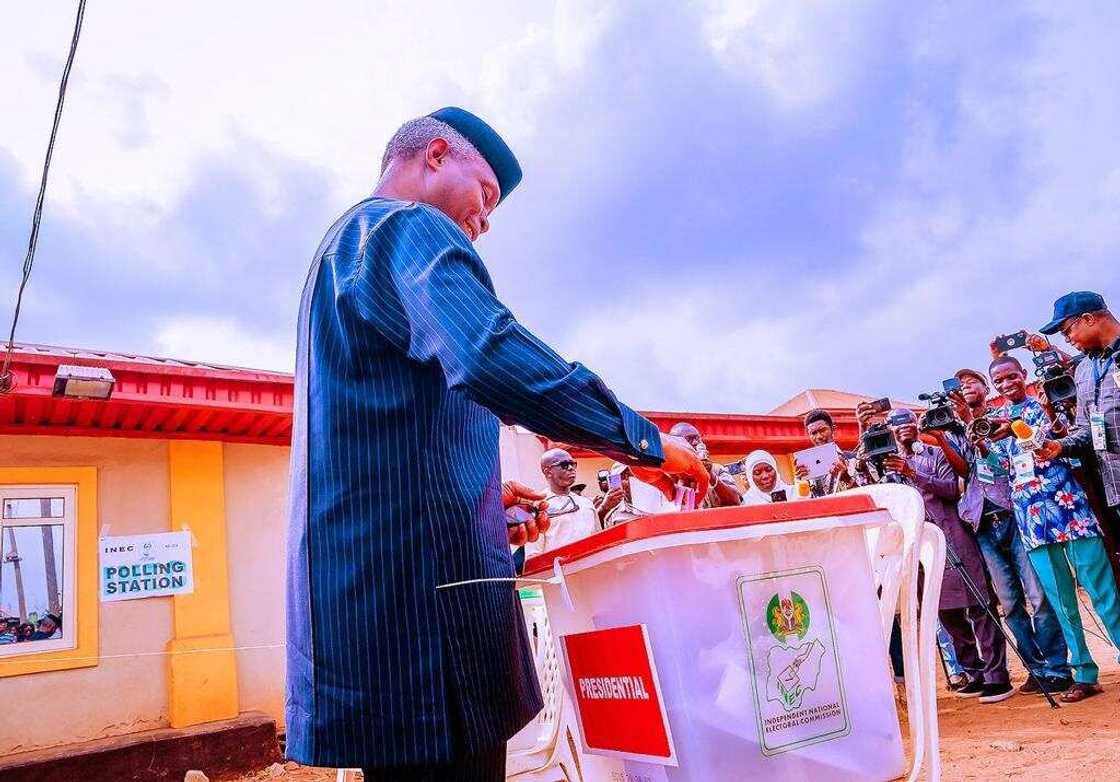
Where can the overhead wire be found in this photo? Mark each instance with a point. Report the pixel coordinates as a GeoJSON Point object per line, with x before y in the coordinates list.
{"type": "Point", "coordinates": [6, 380]}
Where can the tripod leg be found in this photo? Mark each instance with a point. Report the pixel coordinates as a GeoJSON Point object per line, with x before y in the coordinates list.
{"type": "Point", "coordinates": [955, 562]}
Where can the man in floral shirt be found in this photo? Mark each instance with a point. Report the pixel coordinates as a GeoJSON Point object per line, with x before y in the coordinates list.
{"type": "Point", "coordinates": [1058, 528]}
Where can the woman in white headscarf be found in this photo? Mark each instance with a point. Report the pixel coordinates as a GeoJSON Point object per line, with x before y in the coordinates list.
{"type": "Point", "coordinates": [763, 479]}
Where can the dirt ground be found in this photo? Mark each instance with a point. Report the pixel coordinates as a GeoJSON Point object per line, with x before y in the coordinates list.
{"type": "Point", "coordinates": [1078, 742]}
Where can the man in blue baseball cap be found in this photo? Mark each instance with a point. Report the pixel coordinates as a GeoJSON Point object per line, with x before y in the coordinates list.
{"type": "Point", "coordinates": [1083, 318]}
{"type": "Point", "coordinates": [405, 362]}
{"type": "Point", "coordinates": [1086, 322]}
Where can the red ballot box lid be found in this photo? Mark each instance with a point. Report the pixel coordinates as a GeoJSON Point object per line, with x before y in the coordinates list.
{"type": "Point", "coordinates": [698, 521]}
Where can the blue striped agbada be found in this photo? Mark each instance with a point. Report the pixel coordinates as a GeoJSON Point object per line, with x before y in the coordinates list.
{"type": "Point", "coordinates": [406, 360]}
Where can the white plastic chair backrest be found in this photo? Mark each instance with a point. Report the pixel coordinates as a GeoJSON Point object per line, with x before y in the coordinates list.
{"type": "Point", "coordinates": [931, 554]}
{"type": "Point", "coordinates": [547, 664]}
{"type": "Point", "coordinates": [906, 507]}
{"type": "Point", "coordinates": [552, 685]}
{"type": "Point", "coordinates": [908, 511]}
{"type": "Point", "coordinates": [887, 551]}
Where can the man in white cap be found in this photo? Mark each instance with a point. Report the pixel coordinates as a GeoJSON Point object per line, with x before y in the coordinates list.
{"type": "Point", "coordinates": [571, 516]}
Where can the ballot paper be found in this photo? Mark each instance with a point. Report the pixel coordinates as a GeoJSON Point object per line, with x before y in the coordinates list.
{"type": "Point", "coordinates": [818, 460]}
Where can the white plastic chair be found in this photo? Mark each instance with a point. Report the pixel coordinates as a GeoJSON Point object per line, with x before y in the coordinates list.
{"type": "Point", "coordinates": [895, 564]}
{"type": "Point", "coordinates": [931, 554]}
{"type": "Point", "coordinates": [550, 758]}
{"type": "Point", "coordinates": [347, 775]}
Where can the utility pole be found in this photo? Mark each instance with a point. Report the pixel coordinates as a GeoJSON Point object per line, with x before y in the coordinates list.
{"type": "Point", "coordinates": [54, 602]}
{"type": "Point", "coordinates": [13, 557]}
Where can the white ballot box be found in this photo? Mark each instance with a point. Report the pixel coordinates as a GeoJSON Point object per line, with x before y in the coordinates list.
{"type": "Point", "coordinates": [729, 644]}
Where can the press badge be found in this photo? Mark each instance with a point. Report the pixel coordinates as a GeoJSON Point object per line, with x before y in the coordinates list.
{"type": "Point", "coordinates": [1023, 464]}
{"type": "Point", "coordinates": [985, 472]}
{"type": "Point", "coordinates": [1096, 426]}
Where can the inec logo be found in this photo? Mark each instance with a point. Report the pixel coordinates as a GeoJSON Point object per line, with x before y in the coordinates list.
{"type": "Point", "coordinates": [794, 667]}
{"type": "Point", "coordinates": [788, 617]}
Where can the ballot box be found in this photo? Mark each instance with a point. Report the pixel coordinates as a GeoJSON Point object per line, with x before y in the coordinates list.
{"type": "Point", "coordinates": [728, 644]}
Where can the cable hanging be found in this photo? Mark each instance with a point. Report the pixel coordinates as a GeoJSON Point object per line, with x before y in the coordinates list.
{"type": "Point", "coordinates": [6, 380]}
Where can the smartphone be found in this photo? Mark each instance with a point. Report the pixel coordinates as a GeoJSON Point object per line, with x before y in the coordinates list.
{"type": "Point", "coordinates": [516, 515]}
{"type": "Point", "coordinates": [950, 385]}
{"type": "Point", "coordinates": [1006, 342]}
{"type": "Point", "coordinates": [778, 496]}
{"type": "Point", "coordinates": [603, 475]}
{"type": "Point", "coordinates": [881, 405]}
{"type": "Point", "coordinates": [736, 468]}
{"type": "Point", "coordinates": [614, 482]}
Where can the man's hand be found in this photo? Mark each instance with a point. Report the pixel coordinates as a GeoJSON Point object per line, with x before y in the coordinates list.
{"type": "Point", "coordinates": [841, 466]}
{"type": "Point", "coordinates": [530, 500]}
{"type": "Point", "coordinates": [896, 463]}
{"type": "Point", "coordinates": [1049, 450]}
{"type": "Point", "coordinates": [960, 407]}
{"type": "Point", "coordinates": [801, 471]}
{"type": "Point", "coordinates": [609, 502]}
{"type": "Point", "coordinates": [680, 461]}
{"type": "Point", "coordinates": [864, 413]}
{"type": "Point", "coordinates": [1037, 343]}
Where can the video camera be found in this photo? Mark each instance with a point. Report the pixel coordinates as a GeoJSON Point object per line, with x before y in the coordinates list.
{"type": "Point", "coordinates": [1057, 384]}
{"type": "Point", "coordinates": [877, 443]}
{"type": "Point", "coordinates": [941, 415]}
{"type": "Point", "coordinates": [986, 425]}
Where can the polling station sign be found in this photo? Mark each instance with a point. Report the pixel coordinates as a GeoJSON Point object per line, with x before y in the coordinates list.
{"type": "Point", "coordinates": [154, 565]}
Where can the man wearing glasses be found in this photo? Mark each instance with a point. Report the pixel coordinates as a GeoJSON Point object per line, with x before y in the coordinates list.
{"type": "Point", "coordinates": [571, 516]}
{"type": "Point", "coordinates": [1087, 324]}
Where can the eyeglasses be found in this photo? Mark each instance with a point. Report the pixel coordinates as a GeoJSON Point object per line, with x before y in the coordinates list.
{"type": "Point", "coordinates": [566, 465]}
{"type": "Point", "coordinates": [1067, 327]}
{"type": "Point", "coordinates": [558, 505]}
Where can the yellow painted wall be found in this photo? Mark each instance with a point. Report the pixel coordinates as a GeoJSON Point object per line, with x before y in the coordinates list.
{"type": "Point", "coordinates": [202, 664]}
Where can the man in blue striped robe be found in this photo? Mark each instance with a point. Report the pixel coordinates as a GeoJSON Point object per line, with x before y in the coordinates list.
{"type": "Point", "coordinates": [406, 361]}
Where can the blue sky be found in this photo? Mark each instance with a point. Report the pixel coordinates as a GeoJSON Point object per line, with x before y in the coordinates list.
{"type": "Point", "coordinates": [723, 204]}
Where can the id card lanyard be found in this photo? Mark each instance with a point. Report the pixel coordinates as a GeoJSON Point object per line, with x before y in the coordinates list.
{"type": "Point", "coordinates": [1096, 417]}
{"type": "Point", "coordinates": [1100, 370]}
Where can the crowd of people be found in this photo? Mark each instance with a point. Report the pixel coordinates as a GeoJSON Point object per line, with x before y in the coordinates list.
{"type": "Point", "coordinates": [1022, 477]}
{"type": "Point", "coordinates": [13, 629]}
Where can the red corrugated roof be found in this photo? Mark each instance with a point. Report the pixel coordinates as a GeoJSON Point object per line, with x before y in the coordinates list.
{"type": "Point", "coordinates": [153, 397]}
{"type": "Point", "coordinates": [170, 398]}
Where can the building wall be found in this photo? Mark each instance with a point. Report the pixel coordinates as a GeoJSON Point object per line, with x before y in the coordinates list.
{"type": "Point", "coordinates": [256, 483]}
{"type": "Point", "coordinates": [127, 690]}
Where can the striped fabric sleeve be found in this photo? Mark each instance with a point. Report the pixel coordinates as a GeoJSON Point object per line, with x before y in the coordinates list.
{"type": "Point", "coordinates": [419, 264]}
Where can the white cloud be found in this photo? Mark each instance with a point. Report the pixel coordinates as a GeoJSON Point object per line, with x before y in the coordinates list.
{"type": "Point", "coordinates": [222, 340]}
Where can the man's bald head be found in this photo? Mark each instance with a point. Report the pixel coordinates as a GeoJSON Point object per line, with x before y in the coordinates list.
{"type": "Point", "coordinates": [559, 470]}
{"type": "Point", "coordinates": [689, 434]}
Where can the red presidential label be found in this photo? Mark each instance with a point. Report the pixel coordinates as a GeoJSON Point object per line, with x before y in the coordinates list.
{"type": "Point", "coordinates": [618, 701]}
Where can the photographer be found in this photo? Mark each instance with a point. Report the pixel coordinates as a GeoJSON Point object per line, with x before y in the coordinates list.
{"type": "Point", "coordinates": [1057, 525]}
{"type": "Point", "coordinates": [724, 492]}
{"type": "Point", "coordinates": [1088, 325]}
{"type": "Point", "coordinates": [986, 506]}
{"type": "Point", "coordinates": [979, 646]}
